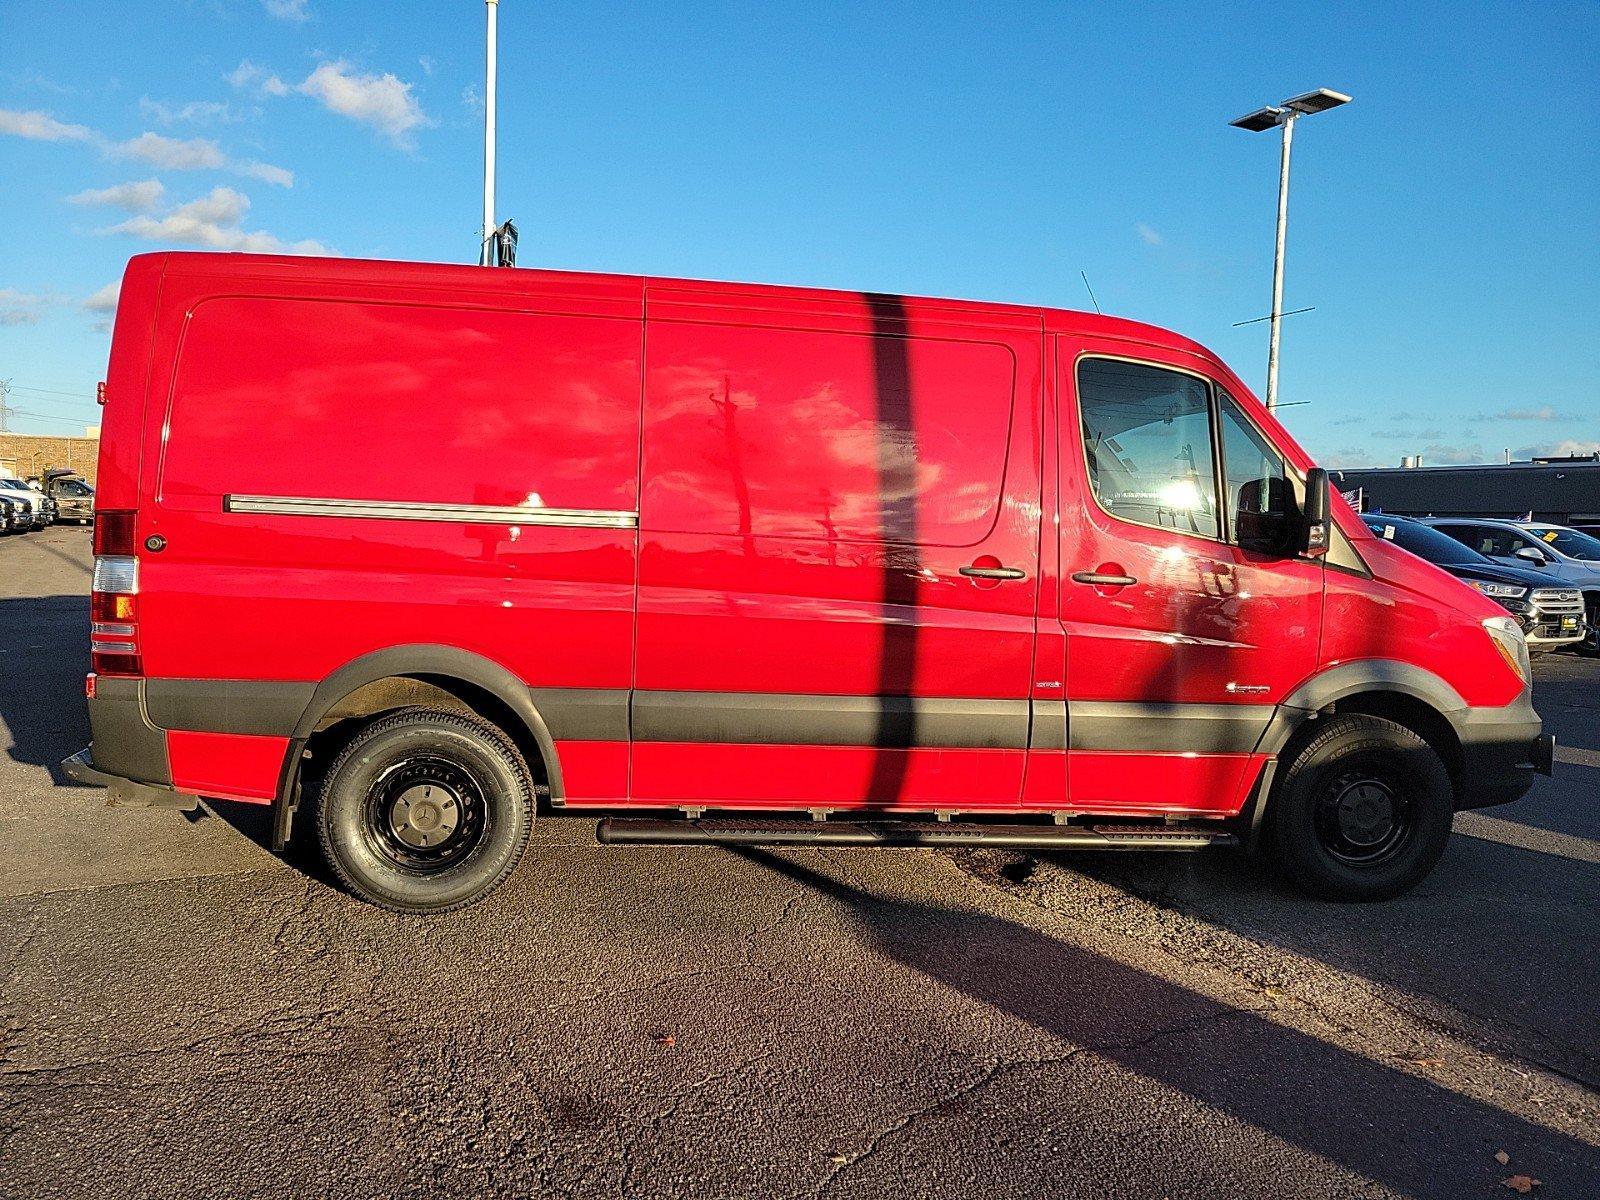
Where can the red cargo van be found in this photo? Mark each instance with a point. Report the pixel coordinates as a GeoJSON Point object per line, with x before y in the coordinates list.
{"type": "Point", "coordinates": [416, 551]}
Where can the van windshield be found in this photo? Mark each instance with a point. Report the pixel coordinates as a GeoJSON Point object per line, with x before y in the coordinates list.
{"type": "Point", "coordinates": [1569, 541]}
{"type": "Point", "coordinates": [1426, 542]}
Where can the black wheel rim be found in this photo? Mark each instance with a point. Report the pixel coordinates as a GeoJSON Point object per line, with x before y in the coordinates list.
{"type": "Point", "coordinates": [1363, 817]}
{"type": "Point", "coordinates": [425, 815]}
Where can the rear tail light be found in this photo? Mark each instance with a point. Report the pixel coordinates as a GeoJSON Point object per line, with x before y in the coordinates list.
{"type": "Point", "coordinates": [113, 602]}
{"type": "Point", "coordinates": [113, 532]}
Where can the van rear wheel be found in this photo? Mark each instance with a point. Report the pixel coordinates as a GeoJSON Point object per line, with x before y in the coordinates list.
{"type": "Point", "coordinates": [1362, 811]}
{"type": "Point", "coordinates": [425, 811]}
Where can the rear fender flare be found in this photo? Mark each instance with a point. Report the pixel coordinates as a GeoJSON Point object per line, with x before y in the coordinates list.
{"type": "Point", "coordinates": [449, 662]}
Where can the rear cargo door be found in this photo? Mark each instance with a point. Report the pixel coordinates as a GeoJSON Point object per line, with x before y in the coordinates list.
{"type": "Point", "coordinates": [351, 467]}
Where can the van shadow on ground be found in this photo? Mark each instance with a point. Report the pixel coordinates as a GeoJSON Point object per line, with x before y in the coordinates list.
{"type": "Point", "coordinates": [44, 656]}
{"type": "Point", "coordinates": [1401, 1131]}
{"type": "Point", "coordinates": [1498, 937]}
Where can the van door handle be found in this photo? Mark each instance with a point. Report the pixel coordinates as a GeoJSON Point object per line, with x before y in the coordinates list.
{"type": "Point", "coordinates": [993, 573]}
{"type": "Point", "coordinates": [1096, 579]}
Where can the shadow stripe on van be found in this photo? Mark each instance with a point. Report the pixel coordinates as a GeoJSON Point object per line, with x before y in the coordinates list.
{"type": "Point", "coordinates": [266, 708]}
{"type": "Point", "coordinates": [474, 514]}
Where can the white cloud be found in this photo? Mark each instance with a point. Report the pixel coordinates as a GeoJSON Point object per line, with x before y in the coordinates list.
{"type": "Point", "coordinates": [199, 112]}
{"type": "Point", "coordinates": [140, 196]}
{"type": "Point", "coordinates": [1451, 456]}
{"type": "Point", "coordinates": [173, 154]}
{"type": "Point", "coordinates": [287, 10]}
{"type": "Point", "coordinates": [1543, 413]}
{"type": "Point", "coordinates": [41, 127]}
{"type": "Point", "coordinates": [1347, 459]}
{"type": "Point", "coordinates": [19, 308]}
{"type": "Point", "coordinates": [1560, 449]}
{"type": "Point", "coordinates": [155, 149]}
{"type": "Point", "coordinates": [426, 64]}
{"type": "Point", "coordinates": [266, 172]}
{"type": "Point", "coordinates": [383, 101]}
{"type": "Point", "coordinates": [249, 77]}
{"type": "Point", "coordinates": [213, 223]}
{"type": "Point", "coordinates": [472, 98]}
{"type": "Point", "coordinates": [105, 300]}
{"type": "Point", "coordinates": [197, 154]}
{"type": "Point", "coordinates": [1147, 235]}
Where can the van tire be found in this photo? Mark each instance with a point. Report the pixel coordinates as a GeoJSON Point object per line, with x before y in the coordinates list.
{"type": "Point", "coordinates": [424, 811]}
{"type": "Point", "coordinates": [1363, 810]}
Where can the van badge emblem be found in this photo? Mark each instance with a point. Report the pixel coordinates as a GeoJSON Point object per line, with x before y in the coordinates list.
{"type": "Point", "coordinates": [1246, 689]}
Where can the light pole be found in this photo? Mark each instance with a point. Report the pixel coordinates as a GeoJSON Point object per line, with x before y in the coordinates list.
{"type": "Point", "coordinates": [488, 136]}
{"type": "Point", "coordinates": [1284, 116]}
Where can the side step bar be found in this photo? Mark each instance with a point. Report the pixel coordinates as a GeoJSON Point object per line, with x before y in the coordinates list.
{"type": "Point", "coordinates": [654, 832]}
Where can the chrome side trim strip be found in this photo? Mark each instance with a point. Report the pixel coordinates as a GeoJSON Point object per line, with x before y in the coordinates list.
{"type": "Point", "coordinates": [389, 510]}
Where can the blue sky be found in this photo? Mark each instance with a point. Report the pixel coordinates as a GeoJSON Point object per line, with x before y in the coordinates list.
{"type": "Point", "coordinates": [1446, 225]}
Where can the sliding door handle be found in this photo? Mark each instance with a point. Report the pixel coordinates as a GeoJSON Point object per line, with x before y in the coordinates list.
{"type": "Point", "coordinates": [993, 573]}
{"type": "Point", "coordinates": [1096, 579]}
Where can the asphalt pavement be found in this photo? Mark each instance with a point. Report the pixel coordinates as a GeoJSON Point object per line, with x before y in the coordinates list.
{"type": "Point", "coordinates": [184, 1014]}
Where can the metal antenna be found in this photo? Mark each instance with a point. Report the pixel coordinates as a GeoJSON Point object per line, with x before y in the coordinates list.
{"type": "Point", "coordinates": [1092, 300]}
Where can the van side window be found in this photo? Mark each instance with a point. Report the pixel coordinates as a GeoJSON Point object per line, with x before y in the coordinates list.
{"type": "Point", "coordinates": [1260, 495]}
{"type": "Point", "coordinates": [757, 431]}
{"type": "Point", "coordinates": [1147, 434]}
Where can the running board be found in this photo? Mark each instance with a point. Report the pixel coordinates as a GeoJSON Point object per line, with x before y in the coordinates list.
{"type": "Point", "coordinates": [653, 832]}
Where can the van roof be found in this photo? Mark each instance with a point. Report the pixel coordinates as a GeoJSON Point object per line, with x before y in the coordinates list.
{"type": "Point", "coordinates": [525, 279]}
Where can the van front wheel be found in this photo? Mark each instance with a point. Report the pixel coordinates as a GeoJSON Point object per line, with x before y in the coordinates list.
{"type": "Point", "coordinates": [425, 811]}
{"type": "Point", "coordinates": [1362, 810]}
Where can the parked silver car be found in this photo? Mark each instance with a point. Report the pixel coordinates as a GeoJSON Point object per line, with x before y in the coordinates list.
{"type": "Point", "coordinates": [1568, 557]}
{"type": "Point", "coordinates": [15, 489]}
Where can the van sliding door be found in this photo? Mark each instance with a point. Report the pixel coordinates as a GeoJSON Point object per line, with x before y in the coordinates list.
{"type": "Point", "coordinates": [839, 529]}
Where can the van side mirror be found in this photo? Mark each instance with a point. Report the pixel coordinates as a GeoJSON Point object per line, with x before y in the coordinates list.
{"type": "Point", "coordinates": [1532, 553]}
{"type": "Point", "coordinates": [1314, 526]}
{"type": "Point", "coordinates": [1264, 522]}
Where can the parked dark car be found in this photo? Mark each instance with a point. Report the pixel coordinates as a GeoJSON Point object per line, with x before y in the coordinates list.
{"type": "Point", "coordinates": [13, 517]}
{"type": "Point", "coordinates": [1551, 616]}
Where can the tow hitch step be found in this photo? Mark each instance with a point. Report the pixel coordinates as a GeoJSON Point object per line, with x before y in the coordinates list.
{"type": "Point", "coordinates": [806, 832]}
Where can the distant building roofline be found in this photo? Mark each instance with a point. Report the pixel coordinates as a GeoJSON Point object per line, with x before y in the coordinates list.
{"type": "Point", "coordinates": [1522, 464]}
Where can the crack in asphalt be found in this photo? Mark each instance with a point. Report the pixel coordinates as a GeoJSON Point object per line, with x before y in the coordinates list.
{"type": "Point", "coordinates": [1003, 1067]}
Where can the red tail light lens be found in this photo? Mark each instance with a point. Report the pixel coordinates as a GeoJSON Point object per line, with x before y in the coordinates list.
{"type": "Point", "coordinates": [114, 597]}
{"type": "Point", "coordinates": [113, 532]}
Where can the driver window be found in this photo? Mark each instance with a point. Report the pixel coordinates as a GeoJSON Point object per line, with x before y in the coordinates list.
{"type": "Point", "coordinates": [1147, 435]}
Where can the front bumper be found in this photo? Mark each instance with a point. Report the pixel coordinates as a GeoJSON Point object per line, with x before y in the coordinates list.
{"type": "Point", "coordinates": [1502, 749]}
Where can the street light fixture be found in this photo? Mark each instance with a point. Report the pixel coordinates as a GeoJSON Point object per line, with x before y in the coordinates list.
{"type": "Point", "coordinates": [1284, 116]}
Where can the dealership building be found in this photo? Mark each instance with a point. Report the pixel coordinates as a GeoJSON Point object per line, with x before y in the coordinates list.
{"type": "Point", "coordinates": [1563, 491]}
